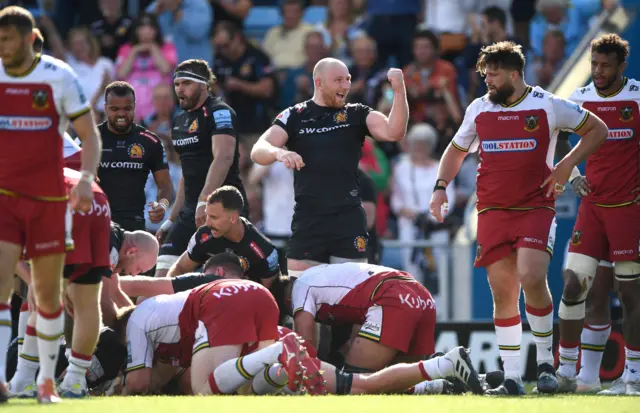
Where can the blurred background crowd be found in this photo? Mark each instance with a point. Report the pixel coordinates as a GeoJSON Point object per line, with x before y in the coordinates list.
{"type": "Point", "coordinates": [263, 53]}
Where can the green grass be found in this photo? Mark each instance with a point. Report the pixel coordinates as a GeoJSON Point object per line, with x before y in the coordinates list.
{"type": "Point", "coordinates": [337, 404]}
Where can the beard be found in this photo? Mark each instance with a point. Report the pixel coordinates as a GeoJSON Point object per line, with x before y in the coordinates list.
{"type": "Point", "coordinates": [190, 102]}
{"type": "Point", "coordinates": [500, 95]}
{"type": "Point", "coordinates": [331, 100]}
{"type": "Point", "coordinates": [610, 81]}
{"type": "Point", "coordinates": [17, 59]}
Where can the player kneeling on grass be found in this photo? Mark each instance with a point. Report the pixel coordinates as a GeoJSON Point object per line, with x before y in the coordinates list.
{"type": "Point", "coordinates": [84, 268]}
{"type": "Point", "coordinates": [209, 329]}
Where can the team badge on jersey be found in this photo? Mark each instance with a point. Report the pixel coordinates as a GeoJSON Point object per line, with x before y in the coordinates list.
{"type": "Point", "coordinates": [136, 151]}
{"type": "Point", "coordinates": [204, 238]}
{"type": "Point", "coordinates": [340, 117]}
{"type": "Point", "coordinates": [575, 238]}
{"type": "Point", "coordinates": [245, 263]}
{"type": "Point", "coordinates": [193, 128]}
{"type": "Point", "coordinates": [478, 252]}
{"type": "Point", "coordinates": [245, 70]}
{"type": "Point", "coordinates": [40, 99]}
{"type": "Point", "coordinates": [360, 243]}
{"type": "Point", "coordinates": [531, 123]}
{"type": "Point", "coordinates": [626, 114]}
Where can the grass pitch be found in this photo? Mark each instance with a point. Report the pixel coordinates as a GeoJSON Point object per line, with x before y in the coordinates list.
{"type": "Point", "coordinates": [336, 404]}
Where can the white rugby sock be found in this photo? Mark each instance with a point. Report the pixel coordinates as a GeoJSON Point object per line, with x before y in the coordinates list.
{"type": "Point", "coordinates": [50, 329]}
{"type": "Point", "coordinates": [436, 368]}
{"type": "Point", "coordinates": [28, 361]}
{"type": "Point", "coordinates": [22, 324]}
{"type": "Point", "coordinates": [632, 363]}
{"type": "Point", "coordinates": [77, 370]}
{"type": "Point", "coordinates": [541, 323]}
{"type": "Point", "coordinates": [593, 342]}
{"type": "Point", "coordinates": [5, 338]}
{"type": "Point", "coordinates": [509, 337]}
{"type": "Point", "coordinates": [569, 353]}
{"type": "Point", "coordinates": [270, 380]}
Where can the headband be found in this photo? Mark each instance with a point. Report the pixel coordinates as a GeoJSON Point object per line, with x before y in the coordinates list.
{"type": "Point", "coordinates": [184, 75]}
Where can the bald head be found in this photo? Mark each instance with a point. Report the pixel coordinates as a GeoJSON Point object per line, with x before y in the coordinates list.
{"type": "Point", "coordinates": [139, 253]}
{"type": "Point", "coordinates": [327, 65]}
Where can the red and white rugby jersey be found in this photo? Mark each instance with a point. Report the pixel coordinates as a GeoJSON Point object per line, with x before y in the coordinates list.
{"type": "Point", "coordinates": [613, 171]}
{"type": "Point", "coordinates": [71, 152]}
{"type": "Point", "coordinates": [340, 293]}
{"type": "Point", "coordinates": [517, 144]}
{"type": "Point", "coordinates": [153, 331]}
{"type": "Point", "coordinates": [34, 112]}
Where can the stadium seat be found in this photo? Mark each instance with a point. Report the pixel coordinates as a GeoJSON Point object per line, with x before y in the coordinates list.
{"type": "Point", "coordinates": [315, 14]}
{"type": "Point", "coordinates": [261, 19]}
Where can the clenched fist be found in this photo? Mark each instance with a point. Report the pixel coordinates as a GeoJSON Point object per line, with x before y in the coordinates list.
{"type": "Point", "coordinates": [396, 78]}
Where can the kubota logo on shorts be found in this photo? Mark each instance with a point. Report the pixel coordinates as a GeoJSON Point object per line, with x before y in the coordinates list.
{"type": "Point", "coordinates": [416, 302]}
{"type": "Point", "coordinates": [620, 134]}
{"type": "Point", "coordinates": [25, 123]}
{"type": "Point", "coordinates": [510, 145]}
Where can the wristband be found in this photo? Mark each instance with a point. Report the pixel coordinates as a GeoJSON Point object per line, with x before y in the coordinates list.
{"type": "Point", "coordinates": [443, 180]}
{"type": "Point", "coordinates": [166, 225]}
{"type": "Point", "coordinates": [439, 188]}
{"type": "Point", "coordinates": [201, 203]}
{"type": "Point", "coordinates": [87, 177]}
{"type": "Point", "coordinates": [164, 203]}
{"type": "Point", "coordinates": [575, 173]}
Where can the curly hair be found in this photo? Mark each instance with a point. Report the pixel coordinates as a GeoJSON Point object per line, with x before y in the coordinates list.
{"type": "Point", "coordinates": [502, 55]}
{"type": "Point", "coordinates": [611, 43]}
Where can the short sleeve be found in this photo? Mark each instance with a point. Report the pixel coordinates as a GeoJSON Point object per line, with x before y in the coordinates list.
{"type": "Point", "coordinates": [466, 139]}
{"type": "Point", "coordinates": [272, 263]}
{"type": "Point", "coordinates": [197, 247]}
{"type": "Point", "coordinates": [74, 99]}
{"type": "Point", "coordinates": [286, 120]}
{"type": "Point", "coordinates": [223, 123]}
{"type": "Point", "coordinates": [568, 114]}
{"type": "Point", "coordinates": [363, 112]}
{"type": "Point", "coordinates": [301, 298]}
{"type": "Point", "coordinates": [157, 161]}
{"type": "Point", "coordinates": [139, 350]}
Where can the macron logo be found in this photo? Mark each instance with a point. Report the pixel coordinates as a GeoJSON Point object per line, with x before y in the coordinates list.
{"type": "Point", "coordinates": [510, 145]}
{"type": "Point", "coordinates": [620, 134]}
{"type": "Point", "coordinates": [509, 117]}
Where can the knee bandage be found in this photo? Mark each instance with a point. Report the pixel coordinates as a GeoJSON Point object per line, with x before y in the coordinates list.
{"type": "Point", "coordinates": [343, 382]}
{"type": "Point", "coordinates": [584, 267]}
{"type": "Point", "coordinates": [166, 261]}
{"type": "Point", "coordinates": [627, 270]}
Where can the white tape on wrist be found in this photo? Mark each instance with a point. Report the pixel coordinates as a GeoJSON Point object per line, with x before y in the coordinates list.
{"type": "Point", "coordinates": [87, 177]}
{"type": "Point", "coordinates": [575, 173]}
{"type": "Point", "coordinates": [200, 204]}
{"type": "Point", "coordinates": [166, 225]}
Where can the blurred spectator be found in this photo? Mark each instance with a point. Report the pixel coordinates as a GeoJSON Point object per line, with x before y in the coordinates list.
{"type": "Point", "coordinates": [161, 119]}
{"type": "Point", "coordinates": [113, 29]}
{"type": "Point", "coordinates": [413, 179]}
{"type": "Point", "coordinates": [376, 165]}
{"type": "Point", "coordinates": [522, 12]}
{"type": "Point", "coordinates": [541, 71]}
{"type": "Point", "coordinates": [492, 29]}
{"type": "Point", "coordinates": [187, 23]}
{"type": "Point", "coordinates": [367, 78]}
{"type": "Point", "coordinates": [561, 15]}
{"type": "Point", "coordinates": [277, 198]}
{"type": "Point", "coordinates": [391, 24]}
{"type": "Point", "coordinates": [83, 55]}
{"type": "Point", "coordinates": [340, 28]}
{"type": "Point", "coordinates": [146, 62]}
{"type": "Point", "coordinates": [448, 19]}
{"type": "Point", "coordinates": [74, 13]}
{"type": "Point", "coordinates": [297, 85]}
{"type": "Point", "coordinates": [428, 77]}
{"type": "Point", "coordinates": [465, 185]}
{"type": "Point", "coordinates": [234, 11]}
{"type": "Point", "coordinates": [285, 43]}
{"type": "Point", "coordinates": [245, 78]}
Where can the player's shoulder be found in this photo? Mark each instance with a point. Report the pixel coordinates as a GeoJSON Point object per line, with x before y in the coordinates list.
{"type": "Point", "coordinates": [52, 67]}
{"type": "Point", "coordinates": [216, 104]}
{"type": "Point", "coordinates": [585, 93]}
{"type": "Point", "coordinates": [478, 105]}
{"type": "Point", "coordinates": [203, 235]}
{"type": "Point", "coordinates": [293, 112]}
{"type": "Point", "coordinates": [630, 90]}
{"type": "Point", "coordinates": [357, 107]}
{"type": "Point", "coordinates": [146, 135]}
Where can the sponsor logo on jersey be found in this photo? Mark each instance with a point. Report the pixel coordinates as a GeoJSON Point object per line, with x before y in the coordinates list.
{"type": "Point", "coordinates": [204, 238]}
{"type": "Point", "coordinates": [510, 145]}
{"type": "Point", "coordinates": [533, 240]}
{"type": "Point", "coordinates": [606, 109]}
{"type": "Point", "coordinates": [245, 70]}
{"type": "Point", "coordinates": [633, 88]}
{"type": "Point", "coordinates": [193, 128]}
{"type": "Point", "coordinates": [122, 165]}
{"type": "Point", "coordinates": [186, 141]}
{"type": "Point", "coordinates": [531, 123]}
{"type": "Point", "coordinates": [509, 117]}
{"type": "Point", "coordinates": [25, 123]}
{"type": "Point", "coordinates": [626, 114]}
{"type": "Point", "coordinates": [272, 260]}
{"type": "Point", "coordinates": [310, 131]}
{"type": "Point", "coordinates": [257, 250]}
{"type": "Point", "coordinates": [148, 136]}
{"type": "Point", "coordinates": [620, 134]}
{"type": "Point", "coordinates": [575, 238]}
{"type": "Point", "coordinates": [16, 91]}
{"type": "Point", "coordinates": [478, 252]}
{"type": "Point", "coordinates": [284, 116]}
{"type": "Point", "coordinates": [40, 99]}
{"type": "Point", "coordinates": [360, 243]}
{"type": "Point", "coordinates": [222, 119]}
{"type": "Point", "coordinates": [340, 117]}
{"type": "Point", "coordinates": [136, 151]}
{"type": "Point", "coordinates": [623, 252]}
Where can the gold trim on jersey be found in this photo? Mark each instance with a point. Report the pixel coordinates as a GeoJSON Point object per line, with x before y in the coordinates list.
{"type": "Point", "coordinates": [624, 83]}
{"type": "Point", "coordinates": [615, 205]}
{"type": "Point", "coordinates": [458, 147]}
{"type": "Point", "coordinates": [396, 277]}
{"type": "Point", "coordinates": [29, 70]}
{"type": "Point", "coordinates": [515, 209]}
{"type": "Point", "coordinates": [133, 368]}
{"type": "Point", "coordinates": [37, 198]}
{"type": "Point", "coordinates": [520, 99]}
{"type": "Point", "coordinates": [581, 124]}
{"type": "Point", "coordinates": [76, 115]}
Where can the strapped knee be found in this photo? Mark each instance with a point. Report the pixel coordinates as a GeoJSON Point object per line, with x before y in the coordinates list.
{"type": "Point", "coordinates": [344, 381]}
{"type": "Point", "coordinates": [627, 271]}
{"type": "Point", "coordinates": [584, 268]}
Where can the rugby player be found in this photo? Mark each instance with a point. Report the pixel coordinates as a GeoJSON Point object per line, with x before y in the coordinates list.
{"type": "Point", "coordinates": [205, 136]}
{"type": "Point", "coordinates": [517, 126]}
{"type": "Point", "coordinates": [226, 230]}
{"type": "Point", "coordinates": [41, 95]}
{"type": "Point", "coordinates": [324, 138]}
{"type": "Point", "coordinates": [608, 224]}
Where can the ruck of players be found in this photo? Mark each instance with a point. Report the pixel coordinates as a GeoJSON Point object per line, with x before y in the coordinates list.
{"type": "Point", "coordinates": [206, 305]}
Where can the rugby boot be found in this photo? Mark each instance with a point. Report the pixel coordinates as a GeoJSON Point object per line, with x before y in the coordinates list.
{"type": "Point", "coordinates": [30, 391]}
{"type": "Point", "coordinates": [633, 388]}
{"type": "Point", "coordinates": [4, 392]}
{"type": "Point", "coordinates": [566, 384]}
{"type": "Point", "coordinates": [47, 393]}
{"type": "Point", "coordinates": [585, 387]}
{"type": "Point", "coordinates": [463, 369]}
{"type": "Point", "coordinates": [75, 391]}
{"type": "Point", "coordinates": [547, 380]}
{"type": "Point", "coordinates": [291, 357]}
{"type": "Point", "coordinates": [492, 379]}
{"type": "Point", "coordinates": [509, 387]}
{"type": "Point", "coordinates": [618, 388]}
